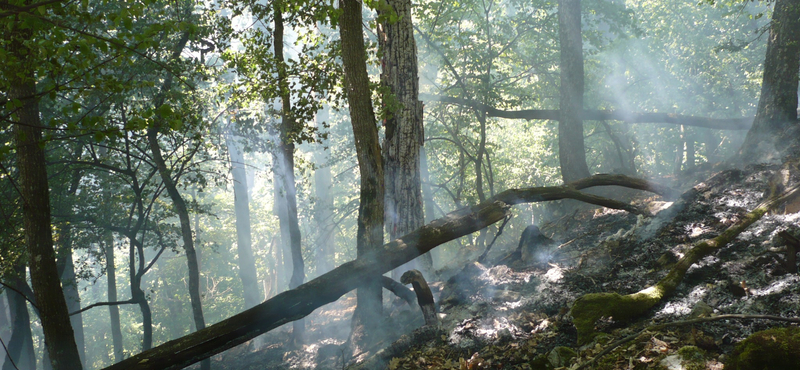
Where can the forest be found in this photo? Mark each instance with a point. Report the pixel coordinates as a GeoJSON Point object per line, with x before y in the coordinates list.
{"type": "Point", "coordinates": [388, 184]}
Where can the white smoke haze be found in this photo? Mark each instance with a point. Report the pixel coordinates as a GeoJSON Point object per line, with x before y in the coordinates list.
{"type": "Point", "coordinates": [676, 57]}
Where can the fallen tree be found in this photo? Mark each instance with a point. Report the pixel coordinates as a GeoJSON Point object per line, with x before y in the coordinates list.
{"type": "Point", "coordinates": [591, 307]}
{"type": "Point", "coordinates": [299, 302]}
{"type": "Point", "coordinates": [600, 115]}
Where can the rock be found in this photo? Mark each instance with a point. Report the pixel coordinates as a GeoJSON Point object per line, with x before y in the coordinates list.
{"type": "Point", "coordinates": [701, 309]}
{"type": "Point", "coordinates": [773, 349]}
{"type": "Point", "coordinates": [560, 356]}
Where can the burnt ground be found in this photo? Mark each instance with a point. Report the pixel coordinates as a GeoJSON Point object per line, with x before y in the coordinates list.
{"type": "Point", "coordinates": [508, 314]}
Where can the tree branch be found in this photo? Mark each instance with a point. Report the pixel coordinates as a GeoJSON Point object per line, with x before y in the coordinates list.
{"type": "Point", "coordinates": [599, 115]}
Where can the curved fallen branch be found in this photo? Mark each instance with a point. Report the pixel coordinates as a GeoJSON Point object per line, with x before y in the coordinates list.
{"type": "Point", "coordinates": [631, 337]}
{"type": "Point", "coordinates": [591, 307]}
{"type": "Point", "coordinates": [299, 302]}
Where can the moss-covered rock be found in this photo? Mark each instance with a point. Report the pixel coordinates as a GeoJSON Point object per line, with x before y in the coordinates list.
{"type": "Point", "coordinates": [692, 358]}
{"type": "Point", "coordinates": [560, 356]}
{"type": "Point", "coordinates": [773, 349]}
{"type": "Point", "coordinates": [591, 307]}
{"type": "Point", "coordinates": [540, 362]}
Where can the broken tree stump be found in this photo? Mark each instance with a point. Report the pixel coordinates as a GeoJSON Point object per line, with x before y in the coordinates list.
{"type": "Point", "coordinates": [424, 296]}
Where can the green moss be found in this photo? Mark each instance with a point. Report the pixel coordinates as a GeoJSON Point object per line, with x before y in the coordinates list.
{"type": "Point", "coordinates": [560, 356]}
{"type": "Point", "coordinates": [591, 307]}
{"type": "Point", "coordinates": [540, 362]}
{"type": "Point", "coordinates": [773, 349]}
{"type": "Point", "coordinates": [693, 358]}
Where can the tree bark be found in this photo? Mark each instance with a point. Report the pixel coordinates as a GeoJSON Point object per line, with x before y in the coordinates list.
{"type": "Point", "coordinates": [137, 294]}
{"type": "Point", "coordinates": [300, 302]}
{"type": "Point", "coordinates": [368, 151]}
{"type": "Point", "coordinates": [241, 205]}
{"type": "Point", "coordinates": [404, 130]}
{"type": "Point", "coordinates": [777, 106]}
{"type": "Point", "coordinates": [571, 150]}
{"type": "Point", "coordinates": [71, 294]}
{"type": "Point", "coordinates": [284, 166]}
{"type": "Point", "coordinates": [113, 310]}
{"type": "Point", "coordinates": [35, 193]}
{"type": "Point", "coordinates": [20, 345]}
{"type": "Point", "coordinates": [65, 264]}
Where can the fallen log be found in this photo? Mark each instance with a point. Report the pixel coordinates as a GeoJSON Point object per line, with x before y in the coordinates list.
{"type": "Point", "coordinates": [299, 302]}
{"type": "Point", "coordinates": [591, 307]}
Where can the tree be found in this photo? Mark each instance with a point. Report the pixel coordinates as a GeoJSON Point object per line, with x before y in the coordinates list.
{"type": "Point", "coordinates": [113, 310]}
{"type": "Point", "coordinates": [571, 150]}
{"type": "Point", "coordinates": [241, 200]}
{"type": "Point", "coordinates": [34, 190]}
{"type": "Point", "coordinates": [368, 151]}
{"type": "Point", "coordinates": [19, 351]}
{"type": "Point", "coordinates": [283, 168]}
{"type": "Point", "coordinates": [404, 131]}
{"type": "Point", "coordinates": [777, 106]}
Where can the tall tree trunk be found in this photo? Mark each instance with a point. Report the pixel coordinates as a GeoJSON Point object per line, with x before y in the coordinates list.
{"type": "Point", "coordinates": [688, 137]}
{"type": "Point", "coordinates": [323, 208]}
{"type": "Point", "coordinates": [404, 129]}
{"type": "Point", "coordinates": [241, 206]}
{"type": "Point", "coordinates": [65, 264]}
{"type": "Point", "coordinates": [283, 252]}
{"type": "Point", "coordinates": [285, 166]}
{"type": "Point", "coordinates": [186, 232]}
{"type": "Point", "coordinates": [70, 286]}
{"type": "Point", "coordinates": [20, 346]}
{"type": "Point", "coordinates": [679, 151]}
{"type": "Point", "coordinates": [369, 236]}
{"type": "Point", "coordinates": [137, 294]}
{"type": "Point", "coordinates": [571, 150]}
{"type": "Point", "coordinates": [35, 193]}
{"type": "Point", "coordinates": [425, 179]}
{"type": "Point", "coordinates": [777, 106]}
{"type": "Point", "coordinates": [5, 329]}
{"type": "Point", "coordinates": [113, 310]}
{"type": "Point", "coordinates": [178, 202]}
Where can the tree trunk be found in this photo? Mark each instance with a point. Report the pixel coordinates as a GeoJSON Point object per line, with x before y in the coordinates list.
{"type": "Point", "coordinates": [20, 346]}
{"type": "Point", "coordinates": [137, 294]}
{"type": "Point", "coordinates": [571, 150]}
{"type": "Point", "coordinates": [35, 193]}
{"type": "Point", "coordinates": [368, 151]}
{"type": "Point", "coordinates": [284, 166]}
{"type": "Point", "coordinates": [186, 231]}
{"type": "Point", "coordinates": [177, 200]}
{"type": "Point", "coordinates": [404, 129]}
{"type": "Point", "coordinates": [427, 192]}
{"type": "Point", "coordinates": [323, 208]}
{"type": "Point", "coordinates": [777, 106]}
{"type": "Point", "coordinates": [113, 310]}
{"type": "Point", "coordinates": [241, 205]}
{"type": "Point", "coordinates": [71, 294]}
{"type": "Point", "coordinates": [65, 264]}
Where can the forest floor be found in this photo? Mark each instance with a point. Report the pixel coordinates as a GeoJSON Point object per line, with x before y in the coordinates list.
{"type": "Point", "coordinates": [511, 315]}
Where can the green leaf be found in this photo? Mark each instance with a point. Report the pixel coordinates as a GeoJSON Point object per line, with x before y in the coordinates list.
{"type": "Point", "coordinates": [164, 111]}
